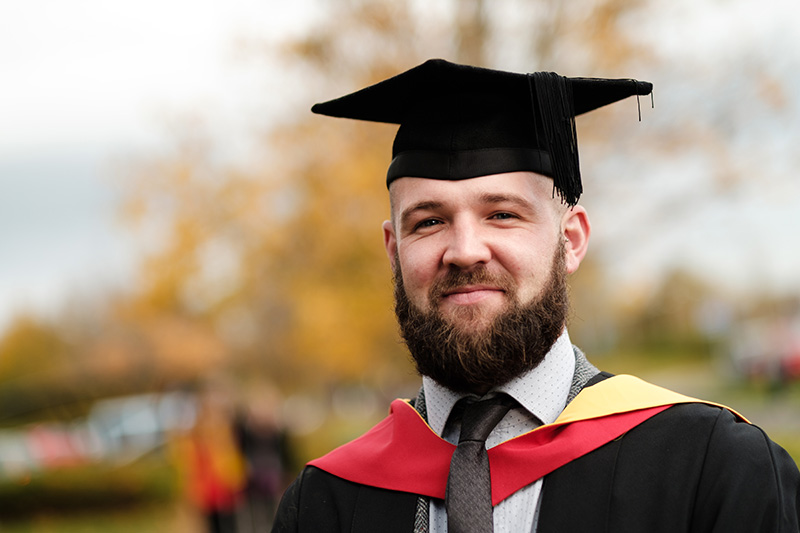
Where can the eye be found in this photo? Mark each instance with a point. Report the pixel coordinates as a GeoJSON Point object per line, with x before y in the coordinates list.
{"type": "Point", "coordinates": [427, 223]}
{"type": "Point", "coordinates": [503, 216]}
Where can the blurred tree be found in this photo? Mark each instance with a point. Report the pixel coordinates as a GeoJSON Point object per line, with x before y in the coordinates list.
{"type": "Point", "coordinates": [673, 319]}
{"type": "Point", "coordinates": [38, 372]}
{"type": "Point", "coordinates": [29, 346]}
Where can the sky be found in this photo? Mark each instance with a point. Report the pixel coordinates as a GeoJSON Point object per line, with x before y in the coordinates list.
{"type": "Point", "coordinates": [87, 82]}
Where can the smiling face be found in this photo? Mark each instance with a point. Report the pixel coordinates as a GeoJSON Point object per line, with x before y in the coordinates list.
{"type": "Point", "coordinates": [470, 248]}
{"type": "Point", "coordinates": [480, 269]}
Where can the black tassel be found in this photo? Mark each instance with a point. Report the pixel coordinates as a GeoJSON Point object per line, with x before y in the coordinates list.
{"type": "Point", "coordinates": [557, 115]}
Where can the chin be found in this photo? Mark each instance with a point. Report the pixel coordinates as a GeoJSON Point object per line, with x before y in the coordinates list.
{"type": "Point", "coordinates": [471, 317]}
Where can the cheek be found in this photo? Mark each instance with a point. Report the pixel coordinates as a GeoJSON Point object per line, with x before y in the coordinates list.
{"type": "Point", "coordinates": [419, 270]}
{"type": "Point", "coordinates": [530, 267]}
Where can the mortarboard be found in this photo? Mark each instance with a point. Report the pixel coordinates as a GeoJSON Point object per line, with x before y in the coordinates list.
{"type": "Point", "coordinates": [459, 122]}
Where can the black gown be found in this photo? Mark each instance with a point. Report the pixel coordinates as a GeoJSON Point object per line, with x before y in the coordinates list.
{"type": "Point", "coordinates": [692, 468]}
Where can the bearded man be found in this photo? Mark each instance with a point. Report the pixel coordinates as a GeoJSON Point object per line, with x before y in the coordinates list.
{"type": "Point", "coordinates": [513, 429]}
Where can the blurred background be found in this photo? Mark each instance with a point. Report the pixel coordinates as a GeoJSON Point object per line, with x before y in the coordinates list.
{"type": "Point", "coordinates": [194, 299]}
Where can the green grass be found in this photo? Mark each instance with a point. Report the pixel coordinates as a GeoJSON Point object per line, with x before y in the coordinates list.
{"type": "Point", "coordinates": [88, 486]}
{"type": "Point", "coordinates": [163, 518]}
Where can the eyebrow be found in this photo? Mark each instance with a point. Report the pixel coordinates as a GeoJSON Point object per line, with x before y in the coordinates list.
{"type": "Point", "coordinates": [424, 205]}
{"type": "Point", "coordinates": [499, 198]}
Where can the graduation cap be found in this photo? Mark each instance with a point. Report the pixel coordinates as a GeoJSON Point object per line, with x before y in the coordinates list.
{"type": "Point", "coordinates": [459, 122]}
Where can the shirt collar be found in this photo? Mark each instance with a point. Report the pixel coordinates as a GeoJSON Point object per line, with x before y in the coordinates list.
{"type": "Point", "coordinates": [542, 391]}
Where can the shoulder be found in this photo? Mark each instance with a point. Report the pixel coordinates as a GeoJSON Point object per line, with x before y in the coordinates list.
{"type": "Point", "coordinates": [735, 450]}
{"type": "Point", "coordinates": [321, 502]}
{"type": "Point", "coordinates": [684, 436]}
{"type": "Point", "coordinates": [315, 496]}
{"type": "Point", "coordinates": [712, 424]}
{"type": "Point", "coordinates": [714, 432]}
{"type": "Point", "coordinates": [710, 440]}
{"type": "Point", "coordinates": [739, 463]}
{"type": "Point", "coordinates": [690, 467]}
{"type": "Point", "coordinates": [723, 461]}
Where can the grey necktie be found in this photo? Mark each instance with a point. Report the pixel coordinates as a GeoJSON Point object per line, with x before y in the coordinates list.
{"type": "Point", "coordinates": [469, 493]}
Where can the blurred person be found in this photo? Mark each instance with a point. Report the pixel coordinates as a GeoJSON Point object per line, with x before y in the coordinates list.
{"type": "Point", "coordinates": [213, 466]}
{"type": "Point", "coordinates": [263, 441]}
{"type": "Point", "coordinates": [485, 228]}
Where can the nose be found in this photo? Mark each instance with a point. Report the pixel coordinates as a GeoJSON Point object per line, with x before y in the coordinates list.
{"type": "Point", "coordinates": [466, 246]}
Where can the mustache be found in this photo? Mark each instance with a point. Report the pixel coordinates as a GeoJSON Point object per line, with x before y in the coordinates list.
{"type": "Point", "coordinates": [456, 278]}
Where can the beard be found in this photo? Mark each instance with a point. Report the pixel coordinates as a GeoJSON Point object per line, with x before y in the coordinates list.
{"type": "Point", "coordinates": [473, 359]}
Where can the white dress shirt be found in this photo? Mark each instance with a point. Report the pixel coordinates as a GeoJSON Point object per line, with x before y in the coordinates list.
{"type": "Point", "coordinates": [542, 394]}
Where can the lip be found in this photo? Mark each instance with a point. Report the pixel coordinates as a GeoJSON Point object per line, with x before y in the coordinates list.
{"type": "Point", "coordinates": [471, 293]}
{"type": "Point", "coordinates": [472, 288]}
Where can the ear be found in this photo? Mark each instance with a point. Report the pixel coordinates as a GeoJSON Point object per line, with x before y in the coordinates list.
{"type": "Point", "coordinates": [390, 242]}
{"type": "Point", "coordinates": [575, 229]}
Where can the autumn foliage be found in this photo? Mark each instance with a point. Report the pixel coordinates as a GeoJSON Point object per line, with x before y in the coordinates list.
{"type": "Point", "coordinates": [271, 268]}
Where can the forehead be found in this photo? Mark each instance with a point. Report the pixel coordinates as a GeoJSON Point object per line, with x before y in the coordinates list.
{"type": "Point", "coordinates": [528, 186]}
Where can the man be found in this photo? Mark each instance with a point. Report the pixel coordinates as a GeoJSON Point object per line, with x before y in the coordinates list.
{"type": "Point", "coordinates": [484, 229]}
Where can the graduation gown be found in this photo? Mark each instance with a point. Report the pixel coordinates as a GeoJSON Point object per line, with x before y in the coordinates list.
{"type": "Point", "coordinates": [691, 467]}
